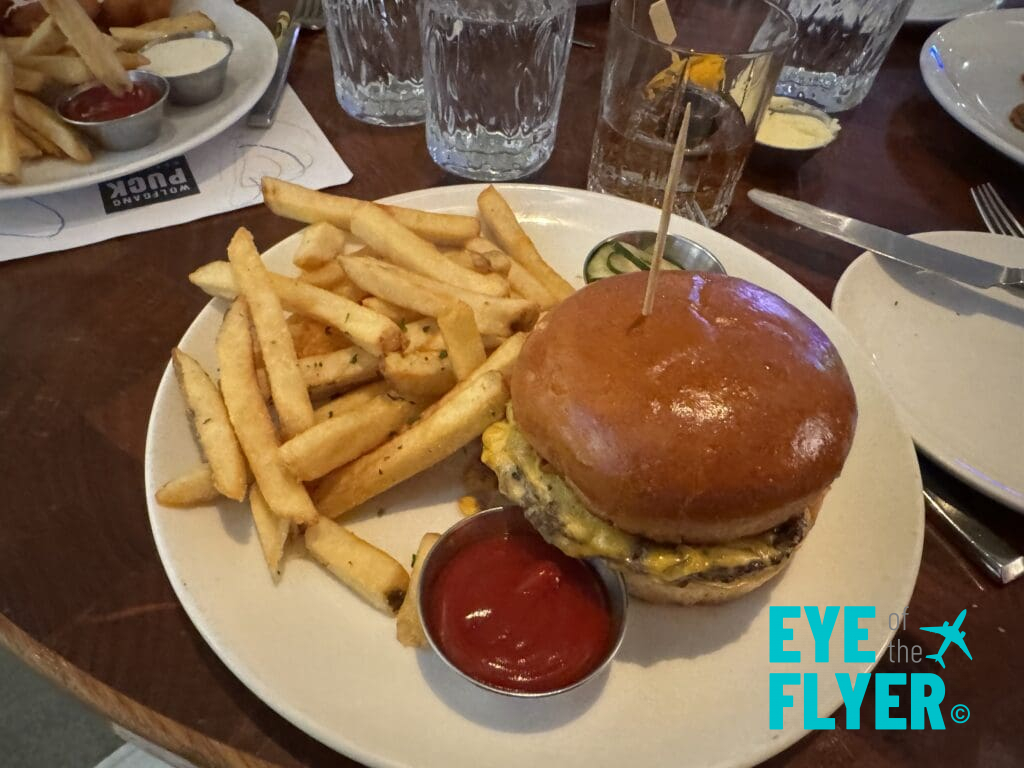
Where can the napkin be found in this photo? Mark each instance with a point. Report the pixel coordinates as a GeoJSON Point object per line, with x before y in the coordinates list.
{"type": "Point", "coordinates": [222, 175]}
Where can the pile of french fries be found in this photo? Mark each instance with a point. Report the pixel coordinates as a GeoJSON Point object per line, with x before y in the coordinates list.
{"type": "Point", "coordinates": [67, 49]}
{"type": "Point", "coordinates": [388, 353]}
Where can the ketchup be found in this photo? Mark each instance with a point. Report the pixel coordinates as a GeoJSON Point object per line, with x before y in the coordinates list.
{"type": "Point", "coordinates": [98, 104]}
{"type": "Point", "coordinates": [516, 613]}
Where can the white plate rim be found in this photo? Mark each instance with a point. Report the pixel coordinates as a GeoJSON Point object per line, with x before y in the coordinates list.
{"type": "Point", "coordinates": [923, 19]}
{"type": "Point", "coordinates": [945, 94]}
{"type": "Point", "coordinates": [924, 438]}
{"type": "Point", "coordinates": [252, 91]}
{"type": "Point", "coordinates": [422, 198]}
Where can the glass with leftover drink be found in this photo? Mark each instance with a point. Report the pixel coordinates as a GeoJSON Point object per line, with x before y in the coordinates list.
{"type": "Point", "coordinates": [723, 62]}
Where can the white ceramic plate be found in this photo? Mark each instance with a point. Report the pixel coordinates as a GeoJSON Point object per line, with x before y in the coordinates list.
{"type": "Point", "coordinates": [249, 71]}
{"type": "Point", "coordinates": [941, 11]}
{"type": "Point", "coordinates": [973, 68]}
{"type": "Point", "coordinates": [952, 355]}
{"type": "Point", "coordinates": [689, 687]}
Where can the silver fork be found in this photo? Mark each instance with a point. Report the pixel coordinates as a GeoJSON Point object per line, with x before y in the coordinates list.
{"type": "Point", "coordinates": [994, 212]}
{"type": "Point", "coordinates": [308, 14]}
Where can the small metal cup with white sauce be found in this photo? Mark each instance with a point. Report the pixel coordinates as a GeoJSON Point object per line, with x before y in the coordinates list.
{"type": "Point", "coordinates": [501, 520]}
{"type": "Point", "coordinates": [203, 85]}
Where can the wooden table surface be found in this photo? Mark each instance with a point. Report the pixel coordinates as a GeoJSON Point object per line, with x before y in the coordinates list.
{"type": "Point", "coordinates": [86, 335]}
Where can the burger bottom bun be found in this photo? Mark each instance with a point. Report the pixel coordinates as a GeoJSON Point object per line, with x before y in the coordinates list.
{"type": "Point", "coordinates": [698, 591]}
{"type": "Point", "coordinates": [707, 591]}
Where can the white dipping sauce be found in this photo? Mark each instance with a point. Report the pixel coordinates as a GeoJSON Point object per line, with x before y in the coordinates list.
{"type": "Point", "coordinates": [185, 56]}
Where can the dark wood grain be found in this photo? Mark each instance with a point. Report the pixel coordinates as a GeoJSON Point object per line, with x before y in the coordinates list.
{"type": "Point", "coordinates": [86, 333]}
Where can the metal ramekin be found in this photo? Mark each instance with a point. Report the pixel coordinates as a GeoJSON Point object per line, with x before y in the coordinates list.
{"type": "Point", "coordinates": [196, 87]}
{"type": "Point", "coordinates": [124, 133]}
{"type": "Point", "coordinates": [681, 251]}
{"type": "Point", "coordinates": [499, 520]}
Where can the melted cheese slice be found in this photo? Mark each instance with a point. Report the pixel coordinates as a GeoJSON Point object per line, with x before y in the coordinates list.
{"type": "Point", "coordinates": [561, 517]}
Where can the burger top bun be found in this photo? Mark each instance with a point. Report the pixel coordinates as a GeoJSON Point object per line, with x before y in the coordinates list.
{"type": "Point", "coordinates": [721, 415]}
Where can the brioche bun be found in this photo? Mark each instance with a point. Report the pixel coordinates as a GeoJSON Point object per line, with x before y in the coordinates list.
{"type": "Point", "coordinates": [723, 414]}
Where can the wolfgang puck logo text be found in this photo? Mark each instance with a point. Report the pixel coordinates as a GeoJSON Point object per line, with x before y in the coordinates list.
{"type": "Point", "coordinates": [924, 689]}
{"type": "Point", "coordinates": [167, 181]}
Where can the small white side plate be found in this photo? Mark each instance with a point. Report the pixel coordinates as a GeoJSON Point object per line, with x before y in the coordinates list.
{"type": "Point", "coordinates": [952, 356]}
{"type": "Point", "coordinates": [940, 11]}
{"type": "Point", "coordinates": [973, 68]}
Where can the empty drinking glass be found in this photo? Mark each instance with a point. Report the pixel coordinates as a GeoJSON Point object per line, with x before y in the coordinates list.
{"type": "Point", "coordinates": [493, 72]}
{"type": "Point", "coordinates": [840, 49]}
{"type": "Point", "coordinates": [377, 60]}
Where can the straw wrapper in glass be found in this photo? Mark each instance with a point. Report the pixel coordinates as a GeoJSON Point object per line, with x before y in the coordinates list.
{"type": "Point", "coordinates": [724, 63]}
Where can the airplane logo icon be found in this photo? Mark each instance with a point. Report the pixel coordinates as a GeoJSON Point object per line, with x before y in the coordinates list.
{"type": "Point", "coordinates": [950, 634]}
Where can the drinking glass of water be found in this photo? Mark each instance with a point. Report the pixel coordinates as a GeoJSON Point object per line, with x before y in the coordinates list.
{"type": "Point", "coordinates": [722, 62]}
{"type": "Point", "coordinates": [840, 49]}
{"type": "Point", "coordinates": [493, 72]}
{"type": "Point", "coordinates": [376, 58]}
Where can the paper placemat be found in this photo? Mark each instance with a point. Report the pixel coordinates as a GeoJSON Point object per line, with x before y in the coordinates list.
{"type": "Point", "coordinates": [221, 175]}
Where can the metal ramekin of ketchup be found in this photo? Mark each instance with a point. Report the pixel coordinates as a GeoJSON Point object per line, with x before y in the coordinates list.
{"type": "Point", "coordinates": [118, 121]}
{"type": "Point", "coordinates": [513, 614]}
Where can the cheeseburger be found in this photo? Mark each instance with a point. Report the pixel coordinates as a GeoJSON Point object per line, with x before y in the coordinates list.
{"type": "Point", "coordinates": [690, 449]}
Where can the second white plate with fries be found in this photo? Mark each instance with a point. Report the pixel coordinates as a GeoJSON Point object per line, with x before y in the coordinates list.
{"type": "Point", "coordinates": [689, 686]}
{"type": "Point", "coordinates": [249, 71]}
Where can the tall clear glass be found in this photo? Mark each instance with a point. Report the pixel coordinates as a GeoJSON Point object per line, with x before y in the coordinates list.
{"type": "Point", "coordinates": [377, 60]}
{"type": "Point", "coordinates": [723, 62]}
{"type": "Point", "coordinates": [839, 50]}
{"type": "Point", "coordinates": [493, 71]}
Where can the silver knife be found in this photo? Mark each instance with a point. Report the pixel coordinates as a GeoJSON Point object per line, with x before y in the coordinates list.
{"type": "Point", "coordinates": [932, 258]}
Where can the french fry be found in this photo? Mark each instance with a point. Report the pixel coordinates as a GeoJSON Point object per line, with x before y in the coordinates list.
{"type": "Point", "coordinates": [28, 80]}
{"type": "Point", "coordinates": [498, 216]}
{"type": "Point", "coordinates": [527, 286]}
{"type": "Point", "coordinates": [326, 276]}
{"type": "Point", "coordinates": [368, 571]}
{"type": "Point", "coordinates": [424, 375]}
{"type": "Point", "coordinates": [45, 121]}
{"type": "Point", "coordinates": [298, 203]}
{"type": "Point", "coordinates": [212, 426]}
{"type": "Point", "coordinates": [408, 627]}
{"type": "Point", "coordinates": [196, 21]}
{"type": "Point", "coordinates": [192, 489]}
{"type": "Point", "coordinates": [30, 133]}
{"type": "Point", "coordinates": [469, 260]}
{"type": "Point", "coordinates": [271, 530]}
{"type": "Point", "coordinates": [346, 437]}
{"type": "Point", "coordinates": [26, 149]}
{"type": "Point", "coordinates": [12, 45]}
{"type": "Point", "coordinates": [423, 334]}
{"type": "Point", "coordinates": [72, 70]}
{"type": "Point", "coordinates": [431, 439]}
{"type": "Point", "coordinates": [350, 401]}
{"type": "Point", "coordinates": [362, 326]}
{"type": "Point", "coordinates": [320, 243]}
{"type": "Point", "coordinates": [291, 398]}
{"type": "Point", "coordinates": [10, 156]}
{"type": "Point", "coordinates": [86, 38]}
{"type": "Point", "coordinates": [401, 246]}
{"type": "Point", "coordinates": [250, 418]}
{"type": "Point", "coordinates": [328, 374]}
{"type": "Point", "coordinates": [133, 38]}
{"type": "Point", "coordinates": [313, 338]}
{"type": "Point", "coordinates": [500, 361]}
{"type": "Point", "coordinates": [46, 38]}
{"type": "Point", "coordinates": [462, 339]}
{"type": "Point", "coordinates": [494, 315]}
{"type": "Point", "coordinates": [397, 314]}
